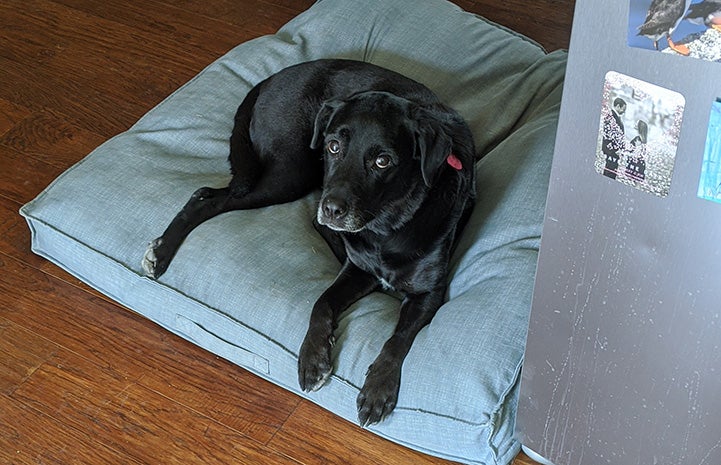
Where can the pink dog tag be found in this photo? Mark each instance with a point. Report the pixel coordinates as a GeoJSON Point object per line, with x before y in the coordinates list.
{"type": "Point", "coordinates": [454, 162]}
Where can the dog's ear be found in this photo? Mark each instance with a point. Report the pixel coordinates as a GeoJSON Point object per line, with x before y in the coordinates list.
{"type": "Point", "coordinates": [432, 144]}
{"type": "Point", "coordinates": [322, 120]}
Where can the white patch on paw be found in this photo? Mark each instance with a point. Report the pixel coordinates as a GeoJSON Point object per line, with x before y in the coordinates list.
{"type": "Point", "coordinates": [149, 259]}
{"type": "Point", "coordinates": [321, 382]}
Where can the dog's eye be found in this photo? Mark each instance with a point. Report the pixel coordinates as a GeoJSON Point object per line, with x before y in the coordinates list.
{"type": "Point", "coordinates": [383, 161]}
{"type": "Point", "coordinates": [333, 147]}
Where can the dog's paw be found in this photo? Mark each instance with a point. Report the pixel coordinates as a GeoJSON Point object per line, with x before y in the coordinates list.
{"type": "Point", "coordinates": [314, 363]}
{"type": "Point", "coordinates": [154, 261]}
{"type": "Point", "coordinates": [379, 394]}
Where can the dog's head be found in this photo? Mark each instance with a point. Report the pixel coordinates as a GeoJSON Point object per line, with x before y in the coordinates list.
{"type": "Point", "coordinates": [382, 155]}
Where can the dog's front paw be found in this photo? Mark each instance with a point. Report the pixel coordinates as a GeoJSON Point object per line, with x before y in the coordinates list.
{"type": "Point", "coordinates": [155, 261]}
{"type": "Point", "coordinates": [314, 363]}
{"type": "Point", "coordinates": [379, 394]}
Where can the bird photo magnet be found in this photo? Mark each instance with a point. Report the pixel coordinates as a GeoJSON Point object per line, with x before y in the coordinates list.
{"type": "Point", "coordinates": [681, 27]}
{"type": "Point", "coordinates": [638, 133]}
{"type": "Point", "coordinates": [710, 184]}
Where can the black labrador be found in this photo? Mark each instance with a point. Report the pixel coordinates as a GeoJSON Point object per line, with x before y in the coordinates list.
{"type": "Point", "coordinates": [396, 170]}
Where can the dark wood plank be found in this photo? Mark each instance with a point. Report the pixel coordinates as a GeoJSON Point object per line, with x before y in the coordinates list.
{"type": "Point", "coordinates": [166, 432]}
{"type": "Point", "coordinates": [206, 28]}
{"type": "Point", "coordinates": [82, 55]}
{"type": "Point", "coordinates": [240, 13]}
{"type": "Point", "coordinates": [72, 388]}
{"type": "Point", "coordinates": [105, 61]}
{"type": "Point", "coordinates": [222, 391]}
{"type": "Point", "coordinates": [140, 423]}
{"type": "Point", "coordinates": [14, 233]}
{"type": "Point", "coordinates": [21, 353]}
{"type": "Point", "coordinates": [28, 437]}
{"type": "Point", "coordinates": [23, 177]}
{"type": "Point", "coordinates": [49, 137]}
{"type": "Point", "coordinates": [10, 115]}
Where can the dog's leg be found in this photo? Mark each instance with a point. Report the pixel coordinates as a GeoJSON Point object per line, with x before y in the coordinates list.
{"type": "Point", "coordinates": [204, 204]}
{"type": "Point", "coordinates": [245, 164]}
{"type": "Point", "coordinates": [314, 359]}
{"type": "Point", "coordinates": [379, 394]}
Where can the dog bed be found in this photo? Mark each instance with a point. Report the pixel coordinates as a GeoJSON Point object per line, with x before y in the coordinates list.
{"type": "Point", "coordinates": [243, 283]}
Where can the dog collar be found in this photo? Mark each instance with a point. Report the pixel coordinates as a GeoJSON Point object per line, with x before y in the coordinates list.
{"type": "Point", "coordinates": [454, 162]}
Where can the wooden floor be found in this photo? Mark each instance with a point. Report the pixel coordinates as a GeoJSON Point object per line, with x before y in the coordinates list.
{"type": "Point", "coordinates": [83, 380]}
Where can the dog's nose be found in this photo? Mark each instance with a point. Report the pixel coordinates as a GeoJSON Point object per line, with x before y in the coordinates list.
{"type": "Point", "coordinates": [334, 209]}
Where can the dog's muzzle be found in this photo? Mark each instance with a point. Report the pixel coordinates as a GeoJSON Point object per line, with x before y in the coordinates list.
{"type": "Point", "coordinates": [336, 214]}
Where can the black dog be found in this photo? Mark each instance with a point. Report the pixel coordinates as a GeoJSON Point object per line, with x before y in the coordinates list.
{"type": "Point", "coordinates": [396, 169]}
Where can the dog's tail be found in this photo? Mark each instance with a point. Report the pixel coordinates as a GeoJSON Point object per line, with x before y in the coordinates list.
{"type": "Point", "coordinates": [245, 164]}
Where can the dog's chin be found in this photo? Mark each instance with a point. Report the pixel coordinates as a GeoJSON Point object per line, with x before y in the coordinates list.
{"type": "Point", "coordinates": [348, 225]}
{"type": "Point", "coordinates": [346, 229]}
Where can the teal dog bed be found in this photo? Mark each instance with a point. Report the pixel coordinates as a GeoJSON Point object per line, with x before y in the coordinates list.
{"type": "Point", "coordinates": [243, 283]}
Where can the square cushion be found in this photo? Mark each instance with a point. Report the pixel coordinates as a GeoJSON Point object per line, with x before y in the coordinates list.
{"type": "Point", "coordinates": [243, 284]}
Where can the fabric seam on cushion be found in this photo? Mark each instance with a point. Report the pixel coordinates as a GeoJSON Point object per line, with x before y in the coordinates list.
{"type": "Point", "coordinates": [499, 407]}
{"type": "Point", "coordinates": [484, 424]}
